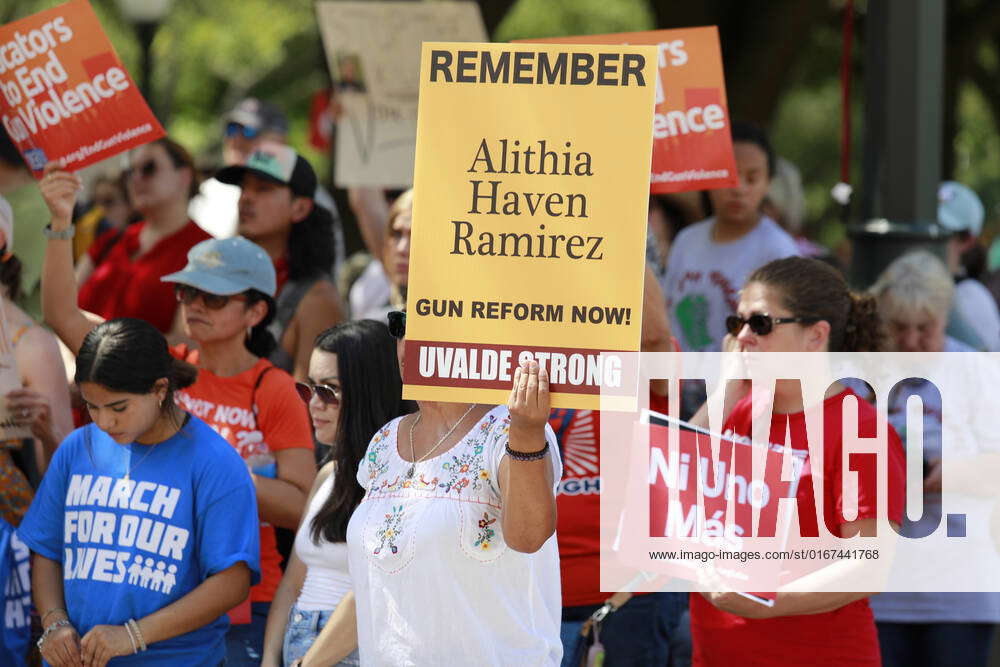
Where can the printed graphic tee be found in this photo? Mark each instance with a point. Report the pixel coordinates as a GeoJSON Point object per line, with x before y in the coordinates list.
{"type": "Point", "coordinates": [834, 638]}
{"type": "Point", "coordinates": [226, 404]}
{"type": "Point", "coordinates": [434, 581]}
{"type": "Point", "coordinates": [138, 527]}
{"type": "Point", "coordinates": [704, 278]}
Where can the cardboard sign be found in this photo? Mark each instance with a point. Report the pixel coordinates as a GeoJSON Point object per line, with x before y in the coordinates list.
{"type": "Point", "coordinates": [692, 147]}
{"type": "Point", "coordinates": [529, 219]}
{"type": "Point", "coordinates": [64, 94]}
{"type": "Point", "coordinates": [714, 506]}
{"type": "Point", "coordinates": [373, 52]}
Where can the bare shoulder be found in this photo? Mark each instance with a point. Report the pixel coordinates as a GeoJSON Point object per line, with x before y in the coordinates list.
{"type": "Point", "coordinates": [321, 302]}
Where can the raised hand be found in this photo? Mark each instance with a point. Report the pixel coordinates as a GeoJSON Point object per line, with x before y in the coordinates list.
{"type": "Point", "coordinates": [529, 407]}
{"type": "Point", "coordinates": [59, 189]}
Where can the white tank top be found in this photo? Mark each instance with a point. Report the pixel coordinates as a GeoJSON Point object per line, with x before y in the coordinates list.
{"type": "Point", "coordinates": [327, 577]}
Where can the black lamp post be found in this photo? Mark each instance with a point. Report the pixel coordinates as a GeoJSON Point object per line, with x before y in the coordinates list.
{"type": "Point", "coordinates": [146, 16]}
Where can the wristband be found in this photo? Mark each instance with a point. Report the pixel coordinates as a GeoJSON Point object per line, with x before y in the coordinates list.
{"type": "Point", "coordinates": [50, 611]}
{"type": "Point", "coordinates": [61, 623]}
{"type": "Point", "coordinates": [138, 633]}
{"type": "Point", "coordinates": [131, 638]}
{"type": "Point", "coordinates": [64, 235]}
{"type": "Point", "coordinates": [527, 456]}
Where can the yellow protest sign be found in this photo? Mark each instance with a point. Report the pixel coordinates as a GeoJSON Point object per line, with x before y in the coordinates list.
{"type": "Point", "coordinates": [529, 218]}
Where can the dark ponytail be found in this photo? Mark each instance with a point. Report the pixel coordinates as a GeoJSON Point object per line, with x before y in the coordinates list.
{"type": "Point", "coordinates": [863, 331]}
{"type": "Point", "coordinates": [129, 355]}
{"type": "Point", "coordinates": [261, 342]}
{"type": "Point", "coordinates": [814, 290]}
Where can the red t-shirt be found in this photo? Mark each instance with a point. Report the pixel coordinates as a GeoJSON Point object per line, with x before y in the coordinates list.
{"type": "Point", "coordinates": [578, 502]}
{"type": "Point", "coordinates": [844, 636]}
{"type": "Point", "coordinates": [226, 404]}
{"type": "Point", "coordinates": [127, 286]}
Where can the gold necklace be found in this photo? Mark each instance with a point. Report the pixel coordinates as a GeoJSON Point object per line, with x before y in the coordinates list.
{"type": "Point", "coordinates": [413, 455]}
{"type": "Point", "coordinates": [128, 473]}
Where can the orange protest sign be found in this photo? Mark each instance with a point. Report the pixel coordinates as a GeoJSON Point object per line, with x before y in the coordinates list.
{"type": "Point", "coordinates": [692, 146]}
{"type": "Point", "coordinates": [64, 93]}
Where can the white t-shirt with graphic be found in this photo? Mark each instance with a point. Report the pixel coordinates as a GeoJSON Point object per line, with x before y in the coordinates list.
{"type": "Point", "coordinates": [434, 581]}
{"type": "Point", "coordinates": [704, 278]}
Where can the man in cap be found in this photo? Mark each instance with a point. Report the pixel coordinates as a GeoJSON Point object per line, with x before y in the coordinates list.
{"type": "Point", "coordinates": [277, 211]}
{"type": "Point", "coordinates": [974, 317]}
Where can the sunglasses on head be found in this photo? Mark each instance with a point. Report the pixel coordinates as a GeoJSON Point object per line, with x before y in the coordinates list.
{"type": "Point", "coordinates": [397, 323]}
{"type": "Point", "coordinates": [760, 323]}
{"type": "Point", "coordinates": [187, 295]}
{"type": "Point", "coordinates": [147, 169]}
{"type": "Point", "coordinates": [233, 129]}
{"type": "Point", "coordinates": [326, 394]}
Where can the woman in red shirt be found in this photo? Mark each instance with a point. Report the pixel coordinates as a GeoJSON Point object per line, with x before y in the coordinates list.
{"type": "Point", "coordinates": [226, 293]}
{"type": "Point", "coordinates": [802, 305]}
{"type": "Point", "coordinates": [125, 282]}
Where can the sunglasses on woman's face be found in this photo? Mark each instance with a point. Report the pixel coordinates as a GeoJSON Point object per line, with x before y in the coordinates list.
{"type": "Point", "coordinates": [187, 295]}
{"type": "Point", "coordinates": [233, 129]}
{"type": "Point", "coordinates": [146, 170]}
{"type": "Point", "coordinates": [327, 394]}
{"type": "Point", "coordinates": [760, 323]}
{"type": "Point", "coordinates": [397, 323]}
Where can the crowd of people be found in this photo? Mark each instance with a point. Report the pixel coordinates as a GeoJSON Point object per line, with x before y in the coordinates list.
{"type": "Point", "coordinates": [221, 468]}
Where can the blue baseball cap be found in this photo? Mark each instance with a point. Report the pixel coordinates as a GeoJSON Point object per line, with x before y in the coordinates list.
{"type": "Point", "coordinates": [960, 209]}
{"type": "Point", "coordinates": [227, 266]}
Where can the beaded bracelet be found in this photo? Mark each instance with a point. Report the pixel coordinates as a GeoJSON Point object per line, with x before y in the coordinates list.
{"type": "Point", "coordinates": [61, 623]}
{"type": "Point", "coordinates": [138, 633]}
{"type": "Point", "coordinates": [131, 638]}
{"type": "Point", "coordinates": [527, 456]}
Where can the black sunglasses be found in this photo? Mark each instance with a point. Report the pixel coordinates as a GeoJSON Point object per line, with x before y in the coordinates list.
{"type": "Point", "coordinates": [327, 394]}
{"type": "Point", "coordinates": [187, 295]}
{"type": "Point", "coordinates": [232, 129]}
{"type": "Point", "coordinates": [760, 323]}
{"type": "Point", "coordinates": [397, 323]}
{"type": "Point", "coordinates": [147, 169]}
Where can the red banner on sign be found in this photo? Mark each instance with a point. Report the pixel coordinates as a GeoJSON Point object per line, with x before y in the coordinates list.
{"type": "Point", "coordinates": [64, 94]}
{"type": "Point", "coordinates": [692, 143]}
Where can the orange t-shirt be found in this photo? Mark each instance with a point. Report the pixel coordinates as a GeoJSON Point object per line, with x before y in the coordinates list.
{"type": "Point", "coordinates": [226, 404]}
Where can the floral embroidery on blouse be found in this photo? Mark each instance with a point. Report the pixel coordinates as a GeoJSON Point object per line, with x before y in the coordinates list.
{"type": "Point", "coordinates": [377, 464]}
{"type": "Point", "coordinates": [390, 530]}
{"type": "Point", "coordinates": [486, 534]}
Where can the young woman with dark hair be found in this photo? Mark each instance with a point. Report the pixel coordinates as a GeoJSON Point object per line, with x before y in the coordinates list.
{"type": "Point", "coordinates": [803, 305]}
{"type": "Point", "coordinates": [143, 531]}
{"type": "Point", "coordinates": [353, 389]}
{"type": "Point", "coordinates": [225, 296]}
{"type": "Point", "coordinates": [120, 276]}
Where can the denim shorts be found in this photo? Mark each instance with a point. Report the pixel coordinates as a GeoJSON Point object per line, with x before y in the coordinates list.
{"type": "Point", "coordinates": [300, 633]}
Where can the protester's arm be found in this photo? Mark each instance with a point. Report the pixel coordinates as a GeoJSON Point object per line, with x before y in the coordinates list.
{"type": "Point", "coordinates": [802, 596]}
{"type": "Point", "coordinates": [277, 617]}
{"type": "Point", "coordinates": [212, 598]}
{"type": "Point", "coordinates": [338, 638]}
{"type": "Point", "coordinates": [282, 501]}
{"type": "Point", "coordinates": [84, 267]}
{"type": "Point", "coordinates": [319, 310]}
{"type": "Point", "coordinates": [45, 396]}
{"type": "Point", "coordinates": [62, 646]}
{"type": "Point", "coordinates": [59, 188]}
{"type": "Point", "coordinates": [288, 590]}
{"type": "Point", "coordinates": [371, 210]}
{"type": "Point", "coordinates": [528, 499]}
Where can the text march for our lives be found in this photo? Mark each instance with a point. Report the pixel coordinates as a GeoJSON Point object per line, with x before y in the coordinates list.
{"type": "Point", "coordinates": [529, 219]}
{"type": "Point", "coordinates": [64, 94]}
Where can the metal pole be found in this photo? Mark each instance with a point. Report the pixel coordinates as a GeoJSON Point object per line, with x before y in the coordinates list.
{"type": "Point", "coordinates": [904, 74]}
{"type": "Point", "coordinates": [146, 31]}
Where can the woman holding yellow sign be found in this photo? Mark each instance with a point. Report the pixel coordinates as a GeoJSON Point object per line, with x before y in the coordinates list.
{"type": "Point", "coordinates": [452, 550]}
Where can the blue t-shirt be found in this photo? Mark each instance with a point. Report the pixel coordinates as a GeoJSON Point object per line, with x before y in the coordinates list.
{"type": "Point", "coordinates": [129, 547]}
